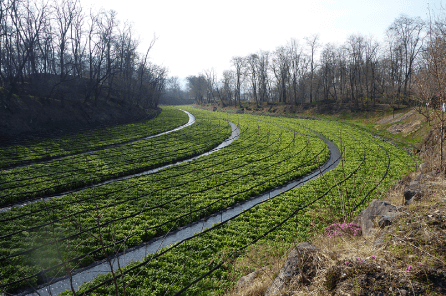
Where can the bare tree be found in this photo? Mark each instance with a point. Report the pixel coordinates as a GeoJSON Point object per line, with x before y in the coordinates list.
{"type": "Point", "coordinates": [355, 47]}
{"type": "Point", "coordinates": [405, 43]}
{"type": "Point", "coordinates": [297, 69]}
{"type": "Point", "coordinates": [252, 73]}
{"type": "Point", "coordinates": [197, 86]}
{"type": "Point", "coordinates": [281, 69]}
{"type": "Point", "coordinates": [263, 76]}
{"type": "Point", "coordinates": [328, 67]}
{"type": "Point", "coordinates": [239, 64]}
{"type": "Point", "coordinates": [313, 43]}
{"type": "Point", "coordinates": [370, 72]}
{"type": "Point", "coordinates": [211, 85]}
{"type": "Point", "coordinates": [64, 16]}
{"type": "Point", "coordinates": [431, 79]}
{"type": "Point", "coordinates": [228, 87]}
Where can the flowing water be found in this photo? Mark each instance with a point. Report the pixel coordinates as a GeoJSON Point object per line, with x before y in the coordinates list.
{"type": "Point", "coordinates": [140, 252]}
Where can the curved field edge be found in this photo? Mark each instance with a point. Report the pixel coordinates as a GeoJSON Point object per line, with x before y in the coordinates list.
{"type": "Point", "coordinates": [169, 118]}
{"type": "Point", "coordinates": [82, 170]}
{"type": "Point", "coordinates": [368, 168]}
{"type": "Point", "coordinates": [283, 144]}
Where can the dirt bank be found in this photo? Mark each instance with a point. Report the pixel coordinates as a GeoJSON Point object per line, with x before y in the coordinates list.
{"type": "Point", "coordinates": [27, 117]}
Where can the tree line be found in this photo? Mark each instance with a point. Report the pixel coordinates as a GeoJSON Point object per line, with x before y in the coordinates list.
{"type": "Point", "coordinates": [56, 49]}
{"type": "Point", "coordinates": [357, 71]}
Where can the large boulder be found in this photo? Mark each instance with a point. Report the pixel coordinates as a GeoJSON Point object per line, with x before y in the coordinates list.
{"type": "Point", "coordinates": [378, 213]}
{"type": "Point", "coordinates": [301, 263]}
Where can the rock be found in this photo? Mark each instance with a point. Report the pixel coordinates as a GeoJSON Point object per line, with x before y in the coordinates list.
{"type": "Point", "coordinates": [247, 280]}
{"type": "Point", "coordinates": [379, 211]}
{"type": "Point", "coordinates": [300, 261]}
{"type": "Point", "coordinates": [412, 193]}
{"type": "Point", "coordinates": [387, 219]}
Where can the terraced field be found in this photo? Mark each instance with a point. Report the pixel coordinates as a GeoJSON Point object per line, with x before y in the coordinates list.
{"type": "Point", "coordinates": [94, 220]}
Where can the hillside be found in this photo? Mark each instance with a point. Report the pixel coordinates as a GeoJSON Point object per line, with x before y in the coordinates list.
{"type": "Point", "coordinates": [27, 117]}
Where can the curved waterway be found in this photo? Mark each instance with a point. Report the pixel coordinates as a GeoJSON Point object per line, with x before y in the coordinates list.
{"type": "Point", "coordinates": [140, 252]}
{"type": "Point", "coordinates": [190, 122]}
{"type": "Point", "coordinates": [234, 136]}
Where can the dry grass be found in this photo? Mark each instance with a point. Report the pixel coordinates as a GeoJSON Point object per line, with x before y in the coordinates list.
{"type": "Point", "coordinates": [266, 259]}
{"type": "Point", "coordinates": [411, 260]}
{"type": "Point", "coordinates": [410, 254]}
{"type": "Point", "coordinates": [257, 287]}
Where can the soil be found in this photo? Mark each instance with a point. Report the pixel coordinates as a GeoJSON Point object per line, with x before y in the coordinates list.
{"type": "Point", "coordinates": [321, 108]}
{"type": "Point", "coordinates": [405, 128]}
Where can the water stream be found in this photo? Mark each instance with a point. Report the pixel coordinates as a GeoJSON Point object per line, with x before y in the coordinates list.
{"type": "Point", "coordinates": [140, 252]}
{"type": "Point", "coordinates": [190, 122]}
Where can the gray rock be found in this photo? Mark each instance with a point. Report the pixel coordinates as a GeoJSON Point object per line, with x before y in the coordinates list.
{"type": "Point", "coordinates": [378, 211]}
{"type": "Point", "coordinates": [301, 258]}
{"type": "Point", "coordinates": [412, 193]}
{"type": "Point", "coordinates": [387, 219]}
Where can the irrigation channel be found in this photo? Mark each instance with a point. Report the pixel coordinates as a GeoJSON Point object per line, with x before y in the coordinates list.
{"type": "Point", "coordinates": [140, 252]}
{"type": "Point", "coordinates": [190, 122]}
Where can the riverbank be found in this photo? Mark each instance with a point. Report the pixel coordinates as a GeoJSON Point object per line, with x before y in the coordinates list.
{"type": "Point", "coordinates": [29, 117]}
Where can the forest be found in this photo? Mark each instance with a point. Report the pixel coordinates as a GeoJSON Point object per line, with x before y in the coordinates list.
{"type": "Point", "coordinates": [406, 68]}
{"type": "Point", "coordinates": [60, 50]}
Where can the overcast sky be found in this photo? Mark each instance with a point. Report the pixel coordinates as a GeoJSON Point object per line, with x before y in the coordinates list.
{"type": "Point", "coordinates": [196, 35]}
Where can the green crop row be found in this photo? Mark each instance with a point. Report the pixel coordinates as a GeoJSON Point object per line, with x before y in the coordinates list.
{"type": "Point", "coordinates": [126, 213]}
{"type": "Point", "coordinates": [76, 171]}
{"type": "Point", "coordinates": [13, 155]}
{"type": "Point", "coordinates": [368, 168]}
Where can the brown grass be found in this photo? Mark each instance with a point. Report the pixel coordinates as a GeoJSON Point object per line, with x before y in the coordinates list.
{"type": "Point", "coordinates": [267, 258]}
{"type": "Point", "coordinates": [418, 236]}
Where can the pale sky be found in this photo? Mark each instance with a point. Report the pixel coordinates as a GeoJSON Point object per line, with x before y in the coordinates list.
{"type": "Point", "coordinates": [197, 35]}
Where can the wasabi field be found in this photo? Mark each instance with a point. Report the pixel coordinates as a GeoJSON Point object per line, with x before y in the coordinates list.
{"type": "Point", "coordinates": [73, 203]}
